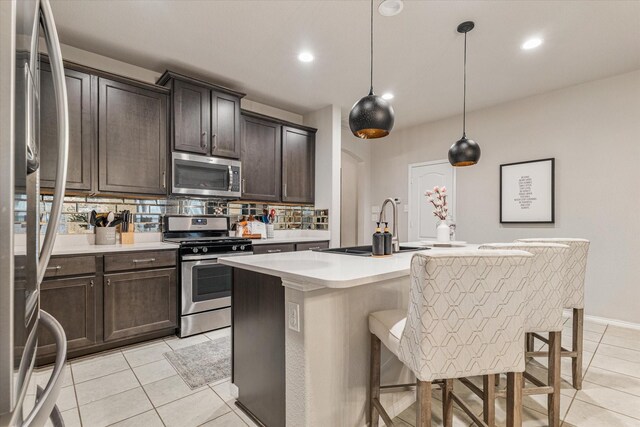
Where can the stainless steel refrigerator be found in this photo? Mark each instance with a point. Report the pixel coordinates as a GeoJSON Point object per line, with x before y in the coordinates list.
{"type": "Point", "coordinates": [24, 251]}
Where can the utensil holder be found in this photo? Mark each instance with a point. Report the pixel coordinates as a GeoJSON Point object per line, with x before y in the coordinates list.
{"type": "Point", "coordinates": [269, 231]}
{"type": "Point", "coordinates": [126, 238]}
{"type": "Point", "coordinates": [105, 235]}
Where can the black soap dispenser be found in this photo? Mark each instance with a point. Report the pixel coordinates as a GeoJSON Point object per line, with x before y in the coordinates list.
{"type": "Point", "coordinates": [388, 240]}
{"type": "Point", "coordinates": [377, 246]}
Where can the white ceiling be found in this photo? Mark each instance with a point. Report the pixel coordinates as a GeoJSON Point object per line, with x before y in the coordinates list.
{"type": "Point", "coordinates": [252, 46]}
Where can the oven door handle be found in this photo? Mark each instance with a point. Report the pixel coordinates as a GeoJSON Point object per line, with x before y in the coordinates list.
{"type": "Point", "coordinates": [230, 178]}
{"type": "Point", "coordinates": [192, 258]}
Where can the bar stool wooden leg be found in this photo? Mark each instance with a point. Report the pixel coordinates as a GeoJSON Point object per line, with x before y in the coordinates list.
{"type": "Point", "coordinates": [530, 342]}
{"type": "Point", "coordinates": [514, 399]}
{"type": "Point", "coordinates": [576, 362]}
{"type": "Point", "coordinates": [447, 403]}
{"type": "Point", "coordinates": [489, 400]}
{"type": "Point", "coordinates": [423, 414]}
{"type": "Point", "coordinates": [553, 399]}
{"type": "Point", "coordinates": [374, 380]}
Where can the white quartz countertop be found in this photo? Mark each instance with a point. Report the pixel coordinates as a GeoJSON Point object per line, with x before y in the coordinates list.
{"type": "Point", "coordinates": [118, 247]}
{"type": "Point", "coordinates": [278, 240]}
{"type": "Point", "coordinates": [331, 270]}
{"type": "Point", "coordinates": [84, 244]}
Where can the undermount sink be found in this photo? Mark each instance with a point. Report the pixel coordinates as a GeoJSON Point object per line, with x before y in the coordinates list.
{"type": "Point", "coordinates": [367, 250]}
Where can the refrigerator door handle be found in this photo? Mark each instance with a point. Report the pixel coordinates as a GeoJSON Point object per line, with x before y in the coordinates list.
{"type": "Point", "coordinates": [60, 89]}
{"type": "Point", "coordinates": [47, 401]}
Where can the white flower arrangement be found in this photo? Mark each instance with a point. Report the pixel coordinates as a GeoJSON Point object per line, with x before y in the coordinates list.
{"type": "Point", "coordinates": [438, 198]}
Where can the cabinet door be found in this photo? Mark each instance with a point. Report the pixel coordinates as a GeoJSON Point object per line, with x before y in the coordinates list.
{"type": "Point", "coordinates": [225, 125]}
{"type": "Point", "coordinates": [191, 117]}
{"type": "Point", "coordinates": [138, 303]}
{"type": "Point", "coordinates": [73, 303]}
{"type": "Point", "coordinates": [261, 159]}
{"type": "Point", "coordinates": [132, 139]}
{"type": "Point", "coordinates": [298, 165]}
{"type": "Point", "coordinates": [81, 135]}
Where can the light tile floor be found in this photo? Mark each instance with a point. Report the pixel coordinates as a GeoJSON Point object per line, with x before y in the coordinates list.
{"type": "Point", "coordinates": [136, 386]}
{"type": "Point", "coordinates": [610, 395]}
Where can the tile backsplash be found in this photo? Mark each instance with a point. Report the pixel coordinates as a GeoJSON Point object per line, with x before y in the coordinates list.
{"type": "Point", "coordinates": [148, 213]}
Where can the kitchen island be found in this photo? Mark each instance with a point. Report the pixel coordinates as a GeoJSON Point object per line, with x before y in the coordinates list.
{"type": "Point", "coordinates": [301, 336]}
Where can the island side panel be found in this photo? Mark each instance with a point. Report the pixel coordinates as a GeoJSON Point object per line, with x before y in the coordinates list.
{"type": "Point", "coordinates": [258, 346]}
{"type": "Point", "coordinates": [327, 361]}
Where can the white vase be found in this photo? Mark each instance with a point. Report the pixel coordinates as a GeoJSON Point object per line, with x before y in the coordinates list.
{"type": "Point", "coordinates": [442, 232]}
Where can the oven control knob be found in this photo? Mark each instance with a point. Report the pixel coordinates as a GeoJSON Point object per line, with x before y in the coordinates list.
{"type": "Point", "coordinates": [242, 248]}
{"type": "Point", "coordinates": [204, 250]}
{"type": "Point", "coordinates": [195, 250]}
{"type": "Point", "coordinates": [234, 248]}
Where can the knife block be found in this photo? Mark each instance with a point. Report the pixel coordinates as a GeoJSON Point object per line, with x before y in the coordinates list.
{"type": "Point", "coordinates": [126, 238]}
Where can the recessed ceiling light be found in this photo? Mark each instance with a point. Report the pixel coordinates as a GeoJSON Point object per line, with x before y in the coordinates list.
{"type": "Point", "coordinates": [387, 96]}
{"type": "Point", "coordinates": [305, 57]}
{"type": "Point", "coordinates": [390, 7]}
{"type": "Point", "coordinates": [532, 43]}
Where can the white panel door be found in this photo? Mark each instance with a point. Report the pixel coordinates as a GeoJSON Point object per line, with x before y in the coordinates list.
{"type": "Point", "coordinates": [423, 177]}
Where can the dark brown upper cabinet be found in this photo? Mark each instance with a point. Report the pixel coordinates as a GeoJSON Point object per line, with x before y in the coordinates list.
{"type": "Point", "coordinates": [298, 165]}
{"type": "Point", "coordinates": [191, 117]}
{"type": "Point", "coordinates": [81, 132]}
{"type": "Point", "coordinates": [225, 125]}
{"type": "Point", "coordinates": [205, 117]}
{"type": "Point", "coordinates": [261, 157]}
{"type": "Point", "coordinates": [132, 134]}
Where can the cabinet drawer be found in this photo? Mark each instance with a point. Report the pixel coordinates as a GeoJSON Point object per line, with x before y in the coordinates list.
{"type": "Point", "coordinates": [71, 266]}
{"type": "Point", "coordinates": [273, 249]}
{"type": "Point", "coordinates": [311, 246]}
{"type": "Point", "coordinates": [139, 260]}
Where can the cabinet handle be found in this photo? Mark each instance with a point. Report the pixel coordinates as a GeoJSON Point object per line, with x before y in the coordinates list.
{"type": "Point", "coordinates": [135, 261]}
{"type": "Point", "coordinates": [273, 251]}
{"type": "Point", "coordinates": [203, 140]}
{"type": "Point", "coordinates": [57, 267]}
{"type": "Point", "coordinates": [244, 185]}
{"type": "Point", "coordinates": [214, 146]}
{"type": "Point", "coordinates": [164, 179]}
{"type": "Point", "coordinates": [91, 283]}
{"type": "Point", "coordinates": [108, 282]}
{"type": "Point", "coordinates": [314, 248]}
{"type": "Point", "coordinates": [285, 190]}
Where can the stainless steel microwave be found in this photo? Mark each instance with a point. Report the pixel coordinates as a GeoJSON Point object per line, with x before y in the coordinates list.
{"type": "Point", "coordinates": [205, 176]}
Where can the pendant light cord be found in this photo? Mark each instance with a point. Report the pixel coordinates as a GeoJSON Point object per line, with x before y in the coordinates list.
{"type": "Point", "coordinates": [464, 91]}
{"type": "Point", "coordinates": [371, 63]}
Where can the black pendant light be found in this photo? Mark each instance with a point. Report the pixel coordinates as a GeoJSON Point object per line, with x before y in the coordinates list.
{"type": "Point", "coordinates": [371, 117]}
{"type": "Point", "coordinates": [465, 152]}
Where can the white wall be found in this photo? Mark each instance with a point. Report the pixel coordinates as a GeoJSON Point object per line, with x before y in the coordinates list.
{"type": "Point", "coordinates": [592, 130]}
{"type": "Point", "coordinates": [114, 66]}
{"type": "Point", "coordinates": [327, 121]}
{"type": "Point", "coordinates": [360, 149]}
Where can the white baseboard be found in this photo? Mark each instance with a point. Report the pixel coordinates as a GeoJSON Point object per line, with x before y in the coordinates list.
{"type": "Point", "coordinates": [606, 320]}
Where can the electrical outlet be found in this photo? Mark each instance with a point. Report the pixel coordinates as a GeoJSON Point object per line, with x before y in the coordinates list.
{"type": "Point", "coordinates": [374, 217]}
{"type": "Point", "coordinates": [375, 209]}
{"type": "Point", "coordinates": [406, 208]}
{"type": "Point", "coordinates": [293, 316]}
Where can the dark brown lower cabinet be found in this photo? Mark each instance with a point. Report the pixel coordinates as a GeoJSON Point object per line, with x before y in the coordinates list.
{"type": "Point", "coordinates": [139, 303]}
{"type": "Point", "coordinates": [73, 303]}
{"type": "Point", "coordinates": [258, 355]}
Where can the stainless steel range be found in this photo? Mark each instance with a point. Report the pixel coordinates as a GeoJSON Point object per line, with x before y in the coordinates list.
{"type": "Point", "coordinates": [205, 285]}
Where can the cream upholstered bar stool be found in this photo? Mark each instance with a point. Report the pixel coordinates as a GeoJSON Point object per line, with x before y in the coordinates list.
{"type": "Point", "coordinates": [573, 295]}
{"type": "Point", "coordinates": [465, 318]}
{"type": "Point", "coordinates": [544, 300]}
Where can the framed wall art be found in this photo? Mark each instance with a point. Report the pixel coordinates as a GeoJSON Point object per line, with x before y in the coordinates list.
{"type": "Point", "coordinates": [527, 193]}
